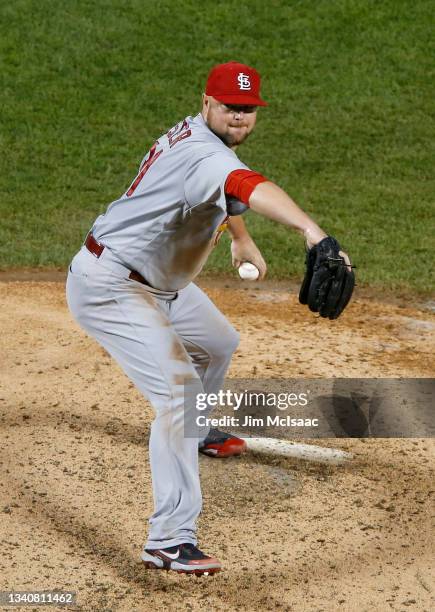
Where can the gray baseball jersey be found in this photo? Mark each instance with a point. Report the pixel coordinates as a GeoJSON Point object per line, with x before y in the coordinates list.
{"type": "Point", "coordinates": [165, 225]}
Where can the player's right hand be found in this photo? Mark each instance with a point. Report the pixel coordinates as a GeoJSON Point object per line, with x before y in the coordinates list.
{"type": "Point", "coordinates": [245, 249]}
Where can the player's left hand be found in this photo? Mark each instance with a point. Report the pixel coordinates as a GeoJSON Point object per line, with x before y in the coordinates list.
{"type": "Point", "coordinates": [329, 279]}
{"type": "Point", "coordinates": [245, 249]}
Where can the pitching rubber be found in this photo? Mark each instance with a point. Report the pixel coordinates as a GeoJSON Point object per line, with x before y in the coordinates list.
{"type": "Point", "coordinates": [308, 452]}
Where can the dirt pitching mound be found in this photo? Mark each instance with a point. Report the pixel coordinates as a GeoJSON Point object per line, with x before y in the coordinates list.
{"type": "Point", "coordinates": [75, 490]}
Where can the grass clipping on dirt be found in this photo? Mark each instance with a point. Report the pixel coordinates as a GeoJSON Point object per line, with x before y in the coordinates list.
{"type": "Point", "coordinates": [348, 131]}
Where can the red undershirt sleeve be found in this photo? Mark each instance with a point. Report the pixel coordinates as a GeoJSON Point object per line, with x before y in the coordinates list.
{"type": "Point", "coordinates": [241, 183]}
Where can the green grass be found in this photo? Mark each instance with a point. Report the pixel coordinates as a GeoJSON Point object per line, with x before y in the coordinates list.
{"type": "Point", "coordinates": [86, 87]}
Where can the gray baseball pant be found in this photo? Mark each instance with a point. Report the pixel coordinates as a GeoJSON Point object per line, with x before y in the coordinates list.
{"type": "Point", "coordinates": [159, 342]}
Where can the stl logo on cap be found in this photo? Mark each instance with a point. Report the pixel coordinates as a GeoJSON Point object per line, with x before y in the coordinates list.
{"type": "Point", "coordinates": [244, 82]}
{"type": "Point", "coordinates": [235, 83]}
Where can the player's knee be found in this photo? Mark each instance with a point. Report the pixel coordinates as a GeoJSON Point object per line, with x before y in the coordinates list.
{"type": "Point", "coordinates": [226, 343]}
{"type": "Point", "coordinates": [234, 340]}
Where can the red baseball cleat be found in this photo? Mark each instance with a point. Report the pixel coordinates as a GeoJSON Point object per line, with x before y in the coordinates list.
{"type": "Point", "coordinates": [221, 444]}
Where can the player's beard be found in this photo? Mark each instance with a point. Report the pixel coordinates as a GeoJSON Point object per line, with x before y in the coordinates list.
{"type": "Point", "coordinates": [231, 140]}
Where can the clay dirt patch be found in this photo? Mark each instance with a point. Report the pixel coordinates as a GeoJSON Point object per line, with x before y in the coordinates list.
{"type": "Point", "coordinates": [75, 490]}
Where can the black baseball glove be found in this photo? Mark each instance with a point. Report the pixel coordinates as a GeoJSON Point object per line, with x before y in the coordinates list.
{"type": "Point", "coordinates": [328, 284]}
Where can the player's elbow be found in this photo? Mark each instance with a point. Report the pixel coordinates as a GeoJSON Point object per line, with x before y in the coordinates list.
{"type": "Point", "coordinates": [263, 195]}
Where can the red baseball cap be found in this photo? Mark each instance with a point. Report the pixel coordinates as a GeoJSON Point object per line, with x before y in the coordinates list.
{"type": "Point", "coordinates": [234, 83]}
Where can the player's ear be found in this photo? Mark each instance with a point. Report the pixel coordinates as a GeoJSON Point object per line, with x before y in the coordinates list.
{"type": "Point", "coordinates": [205, 104]}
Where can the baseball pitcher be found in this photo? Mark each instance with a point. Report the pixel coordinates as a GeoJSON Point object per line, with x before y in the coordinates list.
{"type": "Point", "coordinates": [131, 288]}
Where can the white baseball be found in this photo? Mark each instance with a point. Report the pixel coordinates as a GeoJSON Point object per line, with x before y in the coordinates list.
{"type": "Point", "coordinates": [248, 271]}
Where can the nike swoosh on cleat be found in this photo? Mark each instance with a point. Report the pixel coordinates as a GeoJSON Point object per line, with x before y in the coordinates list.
{"type": "Point", "coordinates": [171, 555]}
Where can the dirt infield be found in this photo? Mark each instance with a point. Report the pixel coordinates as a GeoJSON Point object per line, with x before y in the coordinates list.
{"type": "Point", "coordinates": [75, 487]}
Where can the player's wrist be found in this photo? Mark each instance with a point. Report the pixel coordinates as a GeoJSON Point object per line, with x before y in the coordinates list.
{"type": "Point", "coordinates": [313, 235]}
{"type": "Point", "coordinates": [239, 233]}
